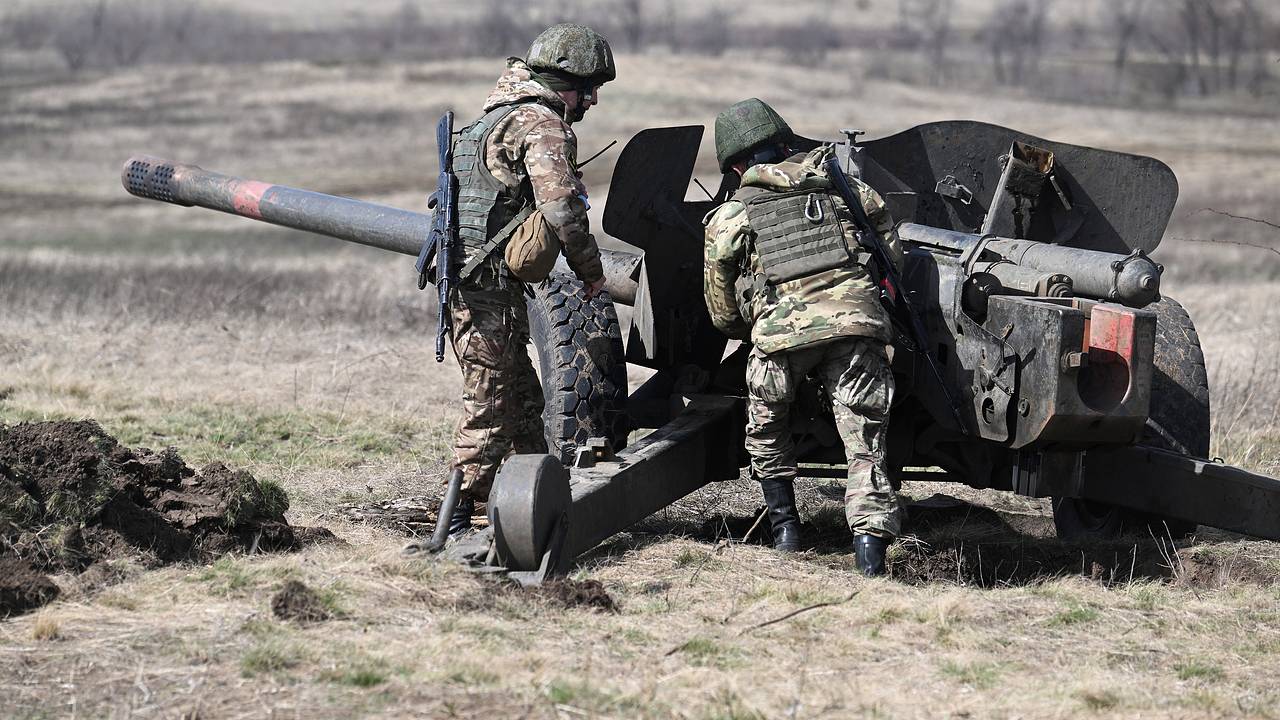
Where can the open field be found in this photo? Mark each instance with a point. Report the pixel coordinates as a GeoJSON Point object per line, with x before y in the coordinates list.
{"type": "Point", "coordinates": [309, 363]}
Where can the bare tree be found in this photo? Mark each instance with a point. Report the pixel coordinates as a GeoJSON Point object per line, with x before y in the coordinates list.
{"type": "Point", "coordinates": [78, 35]}
{"type": "Point", "coordinates": [126, 32]}
{"type": "Point", "coordinates": [1015, 36]}
{"type": "Point", "coordinates": [927, 24]}
{"type": "Point", "coordinates": [710, 34]}
{"type": "Point", "coordinates": [630, 18]}
{"type": "Point", "coordinates": [30, 30]}
{"type": "Point", "coordinates": [1125, 17]}
{"type": "Point", "coordinates": [500, 30]}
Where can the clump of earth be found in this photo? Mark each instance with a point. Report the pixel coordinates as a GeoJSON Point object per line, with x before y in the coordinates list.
{"type": "Point", "coordinates": [295, 601]}
{"type": "Point", "coordinates": [71, 496]}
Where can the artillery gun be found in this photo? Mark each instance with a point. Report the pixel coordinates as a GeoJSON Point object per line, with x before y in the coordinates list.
{"type": "Point", "coordinates": [1063, 372]}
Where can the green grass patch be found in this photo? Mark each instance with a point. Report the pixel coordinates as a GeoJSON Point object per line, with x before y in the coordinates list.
{"type": "Point", "coordinates": [593, 698]}
{"type": "Point", "coordinates": [269, 656]}
{"type": "Point", "coordinates": [689, 557]}
{"type": "Point", "coordinates": [805, 596]}
{"type": "Point", "coordinates": [228, 577]}
{"type": "Point", "coordinates": [1192, 669]}
{"type": "Point", "coordinates": [1148, 597]}
{"type": "Point", "coordinates": [1074, 614]}
{"type": "Point", "coordinates": [471, 676]}
{"type": "Point", "coordinates": [979, 675]}
{"type": "Point", "coordinates": [707, 652]}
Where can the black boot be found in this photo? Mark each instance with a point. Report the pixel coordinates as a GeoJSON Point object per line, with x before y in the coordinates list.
{"type": "Point", "coordinates": [780, 497]}
{"type": "Point", "coordinates": [869, 552]}
{"type": "Point", "coordinates": [460, 520]}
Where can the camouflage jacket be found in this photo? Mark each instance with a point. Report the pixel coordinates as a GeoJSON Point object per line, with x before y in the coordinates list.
{"type": "Point", "coordinates": [798, 313]}
{"type": "Point", "coordinates": [534, 143]}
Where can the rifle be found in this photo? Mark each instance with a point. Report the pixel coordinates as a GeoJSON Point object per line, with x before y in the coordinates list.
{"type": "Point", "coordinates": [443, 238]}
{"type": "Point", "coordinates": [902, 313]}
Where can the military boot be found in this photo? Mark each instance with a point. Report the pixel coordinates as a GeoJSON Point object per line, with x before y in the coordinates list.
{"type": "Point", "coordinates": [780, 497]}
{"type": "Point", "coordinates": [460, 520]}
{"type": "Point", "coordinates": [869, 553]}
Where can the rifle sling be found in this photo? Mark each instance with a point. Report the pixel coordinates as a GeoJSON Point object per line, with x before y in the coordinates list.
{"type": "Point", "coordinates": [493, 243]}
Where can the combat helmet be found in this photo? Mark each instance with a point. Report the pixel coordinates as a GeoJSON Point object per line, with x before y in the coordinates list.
{"type": "Point", "coordinates": [745, 127]}
{"type": "Point", "coordinates": [574, 50]}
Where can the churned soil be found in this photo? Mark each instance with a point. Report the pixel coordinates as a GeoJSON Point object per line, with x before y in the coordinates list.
{"type": "Point", "coordinates": [22, 587]}
{"type": "Point", "coordinates": [295, 601]}
{"type": "Point", "coordinates": [570, 593]}
{"type": "Point", "coordinates": [72, 496]}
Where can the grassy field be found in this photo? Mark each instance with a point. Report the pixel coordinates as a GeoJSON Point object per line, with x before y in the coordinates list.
{"type": "Point", "coordinates": [307, 362]}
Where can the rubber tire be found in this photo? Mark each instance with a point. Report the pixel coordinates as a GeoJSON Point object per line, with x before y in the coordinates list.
{"type": "Point", "coordinates": [582, 365]}
{"type": "Point", "coordinates": [1178, 420]}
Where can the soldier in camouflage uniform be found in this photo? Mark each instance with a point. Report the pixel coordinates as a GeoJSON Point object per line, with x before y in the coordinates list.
{"type": "Point", "coordinates": [520, 155]}
{"type": "Point", "coordinates": [784, 271]}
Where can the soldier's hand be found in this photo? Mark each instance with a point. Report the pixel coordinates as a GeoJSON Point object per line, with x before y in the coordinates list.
{"type": "Point", "coordinates": [593, 289]}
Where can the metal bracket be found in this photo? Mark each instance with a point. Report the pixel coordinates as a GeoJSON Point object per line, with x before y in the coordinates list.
{"type": "Point", "coordinates": [950, 187]}
{"type": "Point", "coordinates": [595, 450]}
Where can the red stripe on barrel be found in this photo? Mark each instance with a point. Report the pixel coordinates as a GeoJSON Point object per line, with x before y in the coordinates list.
{"type": "Point", "coordinates": [246, 198]}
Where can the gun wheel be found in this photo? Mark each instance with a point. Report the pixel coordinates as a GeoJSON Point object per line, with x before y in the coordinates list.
{"type": "Point", "coordinates": [581, 363]}
{"type": "Point", "coordinates": [1178, 420]}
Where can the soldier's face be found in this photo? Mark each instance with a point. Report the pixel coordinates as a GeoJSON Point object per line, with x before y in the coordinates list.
{"type": "Point", "coordinates": [577, 102]}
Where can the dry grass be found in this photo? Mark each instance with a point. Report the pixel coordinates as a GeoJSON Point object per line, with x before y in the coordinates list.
{"type": "Point", "coordinates": [309, 364]}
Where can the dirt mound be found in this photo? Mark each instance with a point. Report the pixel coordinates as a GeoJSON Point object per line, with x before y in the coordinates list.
{"type": "Point", "coordinates": [22, 587]}
{"type": "Point", "coordinates": [71, 496]}
{"type": "Point", "coordinates": [1214, 568]}
{"type": "Point", "coordinates": [296, 601]}
{"type": "Point", "coordinates": [578, 593]}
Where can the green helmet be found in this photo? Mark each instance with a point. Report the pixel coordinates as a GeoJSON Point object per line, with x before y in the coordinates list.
{"type": "Point", "coordinates": [745, 127]}
{"type": "Point", "coordinates": [574, 50]}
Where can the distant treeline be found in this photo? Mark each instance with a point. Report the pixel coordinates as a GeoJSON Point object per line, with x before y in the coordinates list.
{"type": "Point", "coordinates": [1130, 48]}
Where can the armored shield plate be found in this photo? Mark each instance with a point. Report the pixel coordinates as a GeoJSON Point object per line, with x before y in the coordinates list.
{"type": "Point", "coordinates": [1109, 201]}
{"type": "Point", "coordinates": [649, 184]}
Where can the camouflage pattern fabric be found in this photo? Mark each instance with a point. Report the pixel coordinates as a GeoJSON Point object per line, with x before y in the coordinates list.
{"type": "Point", "coordinates": [501, 396]}
{"type": "Point", "coordinates": [857, 379]}
{"type": "Point", "coordinates": [534, 147]}
{"type": "Point", "coordinates": [843, 302]}
{"type": "Point", "coordinates": [534, 151]}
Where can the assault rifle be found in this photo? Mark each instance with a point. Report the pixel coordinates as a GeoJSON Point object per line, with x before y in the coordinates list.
{"type": "Point", "coordinates": [443, 239]}
{"type": "Point", "coordinates": [896, 302]}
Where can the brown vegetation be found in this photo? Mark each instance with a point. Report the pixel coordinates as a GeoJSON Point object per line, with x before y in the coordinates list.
{"type": "Point", "coordinates": [306, 362]}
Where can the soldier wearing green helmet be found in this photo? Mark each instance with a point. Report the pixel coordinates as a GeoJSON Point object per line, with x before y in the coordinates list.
{"type": "Point", "coordinates": [785, 272]}
{"type": "Point", "coordinates": [519, 156]}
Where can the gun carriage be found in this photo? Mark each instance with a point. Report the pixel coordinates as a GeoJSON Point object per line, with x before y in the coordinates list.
{"type": "Point", "coordinates": [1048, 363]}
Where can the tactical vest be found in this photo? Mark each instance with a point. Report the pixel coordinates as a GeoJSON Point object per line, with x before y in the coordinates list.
{"type": "Point", "coordinates": [798, 233]}
{"type": "Point", "coordinates": [487, 209]}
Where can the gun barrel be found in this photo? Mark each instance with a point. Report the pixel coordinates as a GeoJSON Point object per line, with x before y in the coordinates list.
{"type": "Point", "coordinates": [380, 226]}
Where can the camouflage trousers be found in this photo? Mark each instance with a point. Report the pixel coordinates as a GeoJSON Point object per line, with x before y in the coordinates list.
{"type": "Point", "coordinates": [857, 379]}
{"type": "Point", "coordinates": [501, 396]}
